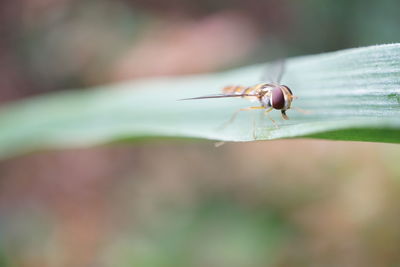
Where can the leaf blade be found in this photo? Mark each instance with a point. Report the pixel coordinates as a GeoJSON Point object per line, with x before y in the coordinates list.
{"type": "Point", "coordinates": [349, 92]}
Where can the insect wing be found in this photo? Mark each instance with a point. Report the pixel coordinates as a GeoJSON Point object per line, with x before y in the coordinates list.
{"type": "Point", "coordinates": [274, 71]}
{"type": "Point", "coordinates": [218, 96]}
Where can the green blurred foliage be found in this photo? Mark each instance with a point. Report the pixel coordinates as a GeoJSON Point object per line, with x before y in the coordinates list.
{"type": "Point", "coordinates": [216, 233]}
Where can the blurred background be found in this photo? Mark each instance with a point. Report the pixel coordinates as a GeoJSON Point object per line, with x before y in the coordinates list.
{"type": "Point", "coordinates": [186, 203]}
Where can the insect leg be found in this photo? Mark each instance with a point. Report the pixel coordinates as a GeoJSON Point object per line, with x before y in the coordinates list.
{"type": "Point", "coordinates": [302, 110]}
{"type": "Point", "coordinates": [233, 117]}
{"type": "Point", "coordinates": [218, 144]}
{"type": "Point", "coordinates": [267, 113]}
{"type": "Point", "coordinates": [284, 116]}
{"type": "Point", "coordinates": [254, 129]}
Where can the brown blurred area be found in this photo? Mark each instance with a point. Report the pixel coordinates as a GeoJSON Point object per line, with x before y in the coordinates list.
{"type": "Point", "coordinates": [52, 45]}
{"type": "Point", "coordinates": [332, 203]}
{"type": "Point", "coordinates": [342, 208]}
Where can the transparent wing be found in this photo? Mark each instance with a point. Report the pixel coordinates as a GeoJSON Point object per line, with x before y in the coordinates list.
{"type": "Point", "coordinates": [274, 71]}
{"type": "Point", "coordinates": [218, 96]}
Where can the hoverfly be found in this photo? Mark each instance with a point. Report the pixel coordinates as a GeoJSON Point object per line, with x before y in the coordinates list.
{"type": "Point", "coordinates": [271, 95]}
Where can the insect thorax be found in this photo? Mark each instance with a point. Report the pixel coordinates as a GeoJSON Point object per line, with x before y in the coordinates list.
{"type": "Point", "coordinates": [265, 95]}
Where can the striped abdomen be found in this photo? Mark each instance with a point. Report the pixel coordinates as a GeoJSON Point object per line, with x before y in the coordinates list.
{"type": "Point", "coordinates": [237, 89]}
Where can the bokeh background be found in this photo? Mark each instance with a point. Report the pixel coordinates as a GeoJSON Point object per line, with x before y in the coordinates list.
{"type": "Point", "coordinates": [186, 203]}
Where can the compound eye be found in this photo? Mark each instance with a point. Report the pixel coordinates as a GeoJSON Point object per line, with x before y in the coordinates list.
{"type": "Point", "coordinates": [277, 99]}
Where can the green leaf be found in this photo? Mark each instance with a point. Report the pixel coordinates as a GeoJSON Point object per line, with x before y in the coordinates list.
{"type": "Point", "coordinates": [353, 94]}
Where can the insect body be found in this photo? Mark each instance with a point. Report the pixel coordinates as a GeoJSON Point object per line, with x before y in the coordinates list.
{"type": "Point", "coordinates": [270, 95]}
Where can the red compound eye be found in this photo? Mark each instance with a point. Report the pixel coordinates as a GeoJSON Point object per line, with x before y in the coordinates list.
{"type": "Point", "coordinates": [278, 99]}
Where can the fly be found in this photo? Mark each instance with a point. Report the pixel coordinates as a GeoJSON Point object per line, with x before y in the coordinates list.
{"type": "Point", "coordinates": [270, 95]}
